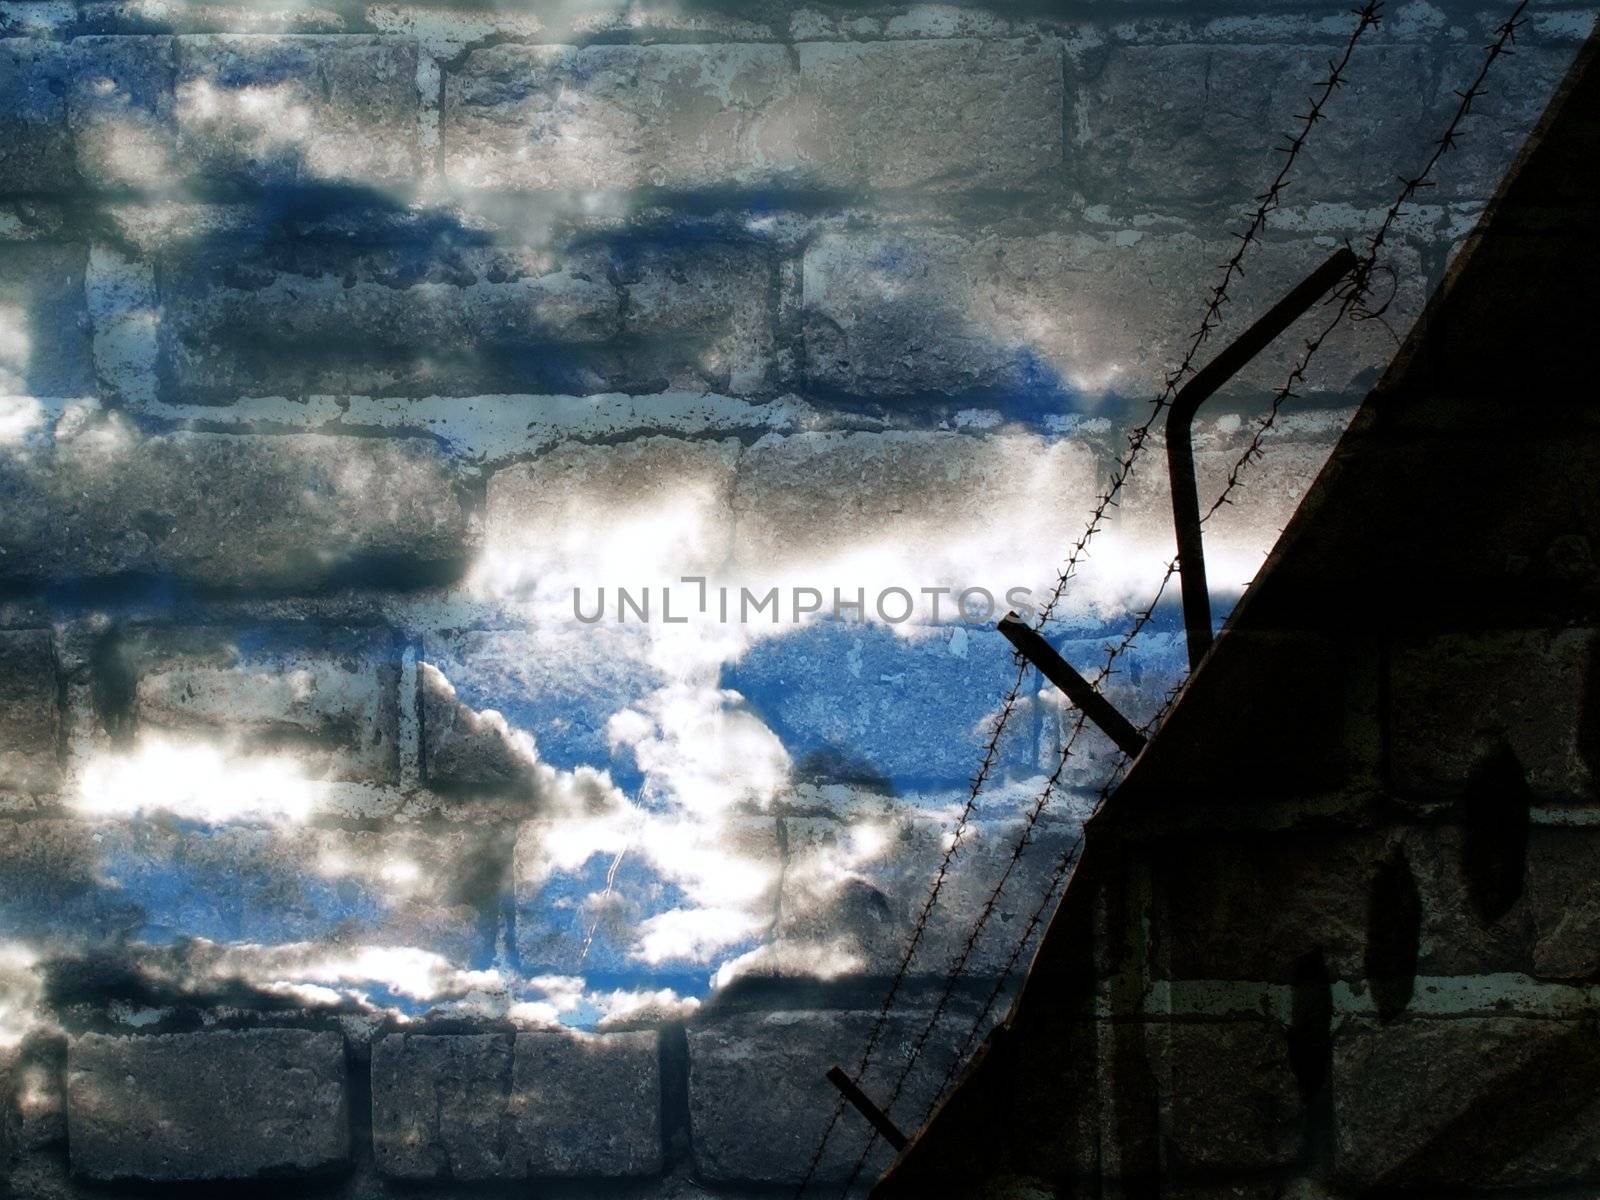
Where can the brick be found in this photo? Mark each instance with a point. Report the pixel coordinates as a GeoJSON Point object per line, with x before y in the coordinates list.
{"type": "Point", "coordinates": [329, 698]}
{"type": "Point", "coordinates": [444, 314]}
{"type": "Point", "coordinates": [759, 1096]}
{"type": "Point", "coordinates": [586, 1105]}
{"type": "Point", "coordinates": [230, 511]}
{"type": "Point", "coordinates": [464, 750]}
{"type": "Point", "coordinates": [1065, 315]}
{"type": "Point", "coordinates": [616, 117]}
{"type": "Point", "coordinates": [1563, 899]}
{"type": "Point", "coordinates": [120, 109]}
{"type": "Point", "coordinates": [1199, 123]}
{"type": "Point", "coordinates": [941, 114]}
{"type": "Point", "coordinates": [30, 716]}
{"type": "Point", "coordinates": [80, 882]}
{"type": "Point", "coordinates": [645, 511]}
{"type": "Point", "coordinates": [1232, 1103]}
{"type": "Point", "coordinates": [554, 1104]}
{"type": "Point", "coordinates": [852, 892]}
{"type": "Point", "coordinates": [44, 321]}
{"type": "Point", "coordinates": [799, 498]}
{"type": "Point", "coordinates": [37, 147]}
{"type": "Point", "coordinates": [559, 683]}
{"type": "Point", "coordinates": [598, 889]}
{"type": "Point", "coordinates": [870, 704]}
{"type": "Point", "coordinates": [1249, 908]}
{"type": "Point", "coordinates": [1468, 1102]}
{"type": "Point", "coordinates": [298, 109]}
{"type": "Point", "coordinates": [1457, 695]}
{"type": "Point", "coordinates": [439, 1105]}
{"type": "Point", "coordinates": [212, 1105]}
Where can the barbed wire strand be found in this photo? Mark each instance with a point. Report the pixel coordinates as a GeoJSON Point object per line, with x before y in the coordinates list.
{"type": "Point", "coordinates": [1268, 201]}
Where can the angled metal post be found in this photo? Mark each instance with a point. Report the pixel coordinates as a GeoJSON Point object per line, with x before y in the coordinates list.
{"type": "Point", "coordinates": [1078, 689]}
{"type": "Point", "coordinates": [879, 1119]}
{"type": "Point", "coordinates": [1180, 445]}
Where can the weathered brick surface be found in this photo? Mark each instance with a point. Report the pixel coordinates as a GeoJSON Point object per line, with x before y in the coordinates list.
{"type": "Point", "coordinates": [30, 717]}
{"type": "Point", "coordinates": [33, 116]}
{"type": "Point", "coordinates": [810, 497]}
{"type": "Point", "coordinates": [542, 1104]}
{"type": "Point", "coordinates": [888, 115]}
{"type": "Point", "coordinates": [1071, 314]}
{"type": "Point", "coordinates": [1231, 1103]}
{"type": "Point", "coordinates": [441, 313]}
{"type": "Point", "coordinates": [939, 114]}
{"type": "Point", "coordinates": [559, 683]}
{"type": "Point", "coordinates": [759, 1096]}
{"type": "Point", "coordinates": [595, 891]}
{"type": "Point", "coordinates": [680, 117]}
{"type": "Point", "coordinates": [1563, 898]}
{"type": "Point", "coordinates": [1457, 696]}
{"type": "Point", "coordinates": [586, 1105]}
{"type": "Point", "coordinates": [1466, 1102]}
{"type": "Point", "coordinates": [853, 890]}
{"type": "Point", "coordinates": [836, 693]}
{"type": "Point", "coordinates": [44, 323]}
{"type": "Point", "coordinates": [79, 882]}
{"type": "Point", "coordinates": [1198, 123]}
{"type": "Point", "coordinates": [207, 1105]}
{"type": "Point", "coordinates": [328, 697]}
{"type": "Point", "coordinates": [1250, 907]}
{"type": "Point", "coordinates": [648, 510]}
{"type": "Point", "coordinates": [228, 511]}
{"type": "Point", "coordinates": [120, 110]}
{"type": "Point", "coordinates": [439, 1105]}
{"type": "Point", "coordinates": [298, 109]}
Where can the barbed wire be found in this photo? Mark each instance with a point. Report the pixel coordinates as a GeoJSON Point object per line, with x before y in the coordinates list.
{"type": "Point", "coordinates": [1350, 300]}
{"type": "Point", "coordinates": [1267, 202]}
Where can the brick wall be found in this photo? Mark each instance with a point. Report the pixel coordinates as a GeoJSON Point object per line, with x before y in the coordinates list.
{"type": "Point", "coordinates": [337, 341]}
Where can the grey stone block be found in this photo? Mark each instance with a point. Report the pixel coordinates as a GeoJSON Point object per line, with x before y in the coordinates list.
{"type": "Point", "coordinates": [327, 698]}
{"type": "Point", "coordinates": [120, 109]}
{"type": "Point", "coordinates": [554, 1104]}
{"type": "Point", "coordinates": [1231, 1102]}
{"type": "Point", "coordinates": [560, 682]}
{"type": "Point", "coordinates": [586, 1105]}
{"type": "Point", "coordinates": [298, 898]}
{"type": "Point", "coordinates": [594, 893]}
{"type": "Point", "coordinates": [643, 512]}
{"type": "Point", "coordinates": [298, 109]}
{"type": "Point", "coordinates": [439, 313]}
{"type": "Point", "coordinates": [1563, 901]}
{"type": "Point", "coordinates": [220, 1105]}
{"type": "Point", "coordinates": [35, 144]}
{"type": "Point", "coordinates": [1456, 696]}
{"type": "Point", "coordinates": [1466, 1102]}
{"type": "Point", "coordinates": [868, 704]}
{"type": "Point", "coordinates": [229, 511]}
{"type": "Point", "coordinates": [44, 320]}
{"type": "Point", "coordinates": [30, 715]}
{"type": "Point", "coordinates": [439, 1105]}
{"type": "Point", "coordinates": [759, 1095]}
{"type": "Point", "coordinates": [801, 498]}
{"type": "Point", "coordinates": [617, 117]}
{"type": "Point", "coordinates": [1081, 316]}
{"type": "Point", "coordinates": [1199, 123]}
{"type": "Point", "coordinates": [939, 114]}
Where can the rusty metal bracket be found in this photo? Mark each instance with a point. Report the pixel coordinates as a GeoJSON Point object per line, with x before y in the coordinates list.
{"type": "Point", "coordinates": [1180, 445]}
{"type": "Point", "coordinates": [878, 1118]}
{"type": "Point", "coordinates": [1078, 689]}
